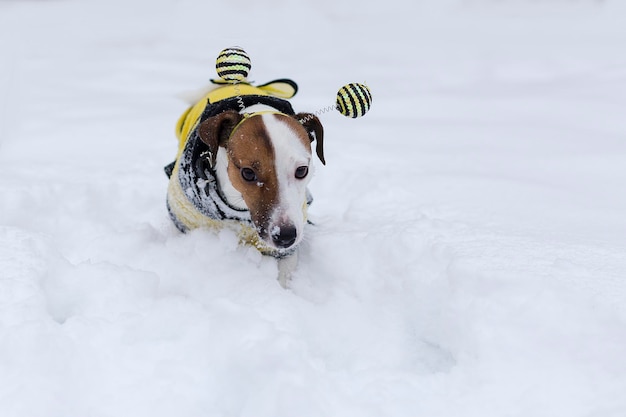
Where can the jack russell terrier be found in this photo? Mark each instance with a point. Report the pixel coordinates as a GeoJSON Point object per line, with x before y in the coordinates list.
{"type": "Point", "coordinates": [244, 161]}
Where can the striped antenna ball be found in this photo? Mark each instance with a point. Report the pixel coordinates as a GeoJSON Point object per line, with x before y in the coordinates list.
{"type": "Point", "coordinates": [233, 64]}
{"type": "Point", "coordinates": [354, 100]}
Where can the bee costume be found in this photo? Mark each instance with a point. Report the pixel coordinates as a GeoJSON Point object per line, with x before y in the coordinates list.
{"type": "Point", "coordinates": [194, 199]}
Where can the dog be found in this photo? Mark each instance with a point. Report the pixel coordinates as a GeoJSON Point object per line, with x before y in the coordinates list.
{"type": "Point", "coordinates": [244, 161]}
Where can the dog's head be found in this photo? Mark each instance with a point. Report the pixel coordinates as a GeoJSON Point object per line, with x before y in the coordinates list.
{"type": "Point", "coordinates": [263, 163]}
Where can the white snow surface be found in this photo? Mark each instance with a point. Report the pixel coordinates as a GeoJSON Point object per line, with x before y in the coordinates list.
{"type": "Point", "coordinates": [469, 250]}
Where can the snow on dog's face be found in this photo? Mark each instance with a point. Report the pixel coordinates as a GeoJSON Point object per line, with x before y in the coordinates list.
{"type": "Point", "coordinates": [263, 164]}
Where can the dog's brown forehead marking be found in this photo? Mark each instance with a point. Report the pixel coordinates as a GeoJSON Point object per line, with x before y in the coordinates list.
{"type": "Point", "coordinates": [251, 147]}
{"type": "Point", "coordinates": [250, 143]}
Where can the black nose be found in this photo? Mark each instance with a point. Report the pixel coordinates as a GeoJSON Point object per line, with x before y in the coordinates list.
{"type": "Point", "coordinates": [284, 237]}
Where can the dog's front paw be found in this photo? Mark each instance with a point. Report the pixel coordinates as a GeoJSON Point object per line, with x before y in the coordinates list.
{"type": "Point", "coordinates": [286, 268]}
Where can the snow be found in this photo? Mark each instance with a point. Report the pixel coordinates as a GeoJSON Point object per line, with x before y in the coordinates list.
{"type": "Point", "coordinates": [468, 254]}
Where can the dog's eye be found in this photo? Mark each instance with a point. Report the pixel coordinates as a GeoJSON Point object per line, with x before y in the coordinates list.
{"type": "Point", "coordinates": [248, 174]}
{"type": "Point", "coordinates": [302, 172]}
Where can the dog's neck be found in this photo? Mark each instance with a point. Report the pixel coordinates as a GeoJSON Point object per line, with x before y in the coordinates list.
{"type": "Point", "coordinates": [231, 196]}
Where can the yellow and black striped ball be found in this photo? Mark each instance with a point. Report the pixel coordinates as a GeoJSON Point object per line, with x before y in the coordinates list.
{"type": "Point", "coordinates": [233, 64]}
{"type": "Point", "coordinates": [354, 100]}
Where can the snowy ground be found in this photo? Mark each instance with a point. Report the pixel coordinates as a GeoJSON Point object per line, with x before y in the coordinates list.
{"type": "Point", "coordinates": [469, 257]}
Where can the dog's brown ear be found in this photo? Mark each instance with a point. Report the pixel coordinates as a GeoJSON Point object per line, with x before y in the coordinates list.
{"type": "Point", "coordinates": [215, 130]}
{"type": "Point", "coordinates": [315, 130]}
